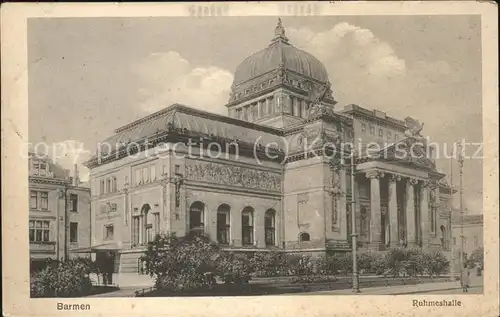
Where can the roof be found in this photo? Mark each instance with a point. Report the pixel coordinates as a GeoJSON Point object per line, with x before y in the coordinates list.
{"type": "Point", "coordinates": [375, 114]}
{"type": "Point", "coordinates": [468, 219]}
{"type": "Point", "coordinates": [183, 117]}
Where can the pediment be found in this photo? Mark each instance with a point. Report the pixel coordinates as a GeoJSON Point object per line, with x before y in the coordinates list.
{"type": "Point", "coordinates": [409, 151]}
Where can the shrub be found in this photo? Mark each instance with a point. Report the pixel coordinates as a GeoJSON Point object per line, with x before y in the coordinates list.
{"type": "Point", "coordinates": [476, 259]}
{"type": "Point", "coordinates": [413, 262]}
{"type": "Point", "coordinates": [435, 263]}
{"type": "Point", "coordinates": [180, 264]}
{"type": "Point", "coordinates": [272, 263]}
{"type": "Point", "coordinates": [234, 268]}
{"type": "Point", "coordinates": [339, 262]}
{"type": "Point", "coordinates": [67, 279]}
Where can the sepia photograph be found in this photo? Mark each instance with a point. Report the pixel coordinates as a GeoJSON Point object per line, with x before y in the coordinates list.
{"type": "Point", "coordinates": [214, 154]}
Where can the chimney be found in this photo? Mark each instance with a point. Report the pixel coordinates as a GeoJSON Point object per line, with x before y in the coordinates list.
{"type": "Point", "coordinates": [76, 178]}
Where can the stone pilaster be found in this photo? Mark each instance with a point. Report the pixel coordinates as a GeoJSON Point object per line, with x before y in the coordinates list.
{"type": "Point", "coordinates": [259, 229]}
{"type": "Point", "coordinates": [424, 212]}
{"type": "Point", "coordinates": [410, 212]}
{"type": "Point", "coordinates": [296, 107]}
{"type": "Point", "coordinates": [375, 213]}
{"type": "Point", "coordinates": [393, 210]}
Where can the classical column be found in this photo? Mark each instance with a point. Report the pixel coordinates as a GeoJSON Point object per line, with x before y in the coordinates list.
{"type": "Point", "coordinates": [259, 230]}
{"type": "Point", "coordinates": [289, 105]}
{"type": "Point", "coordinates": [375, 215]}
{"type": "Point", "coordinates": [296, 107]}
{"type": "Point", "coordinates": [250, 112]}
{"type": "Point", "coordinates": [424, 212]}
{"type": "Point", "coordinates": [410, 212]}
{"type": "Point", "coordinates": [141, 229]}
{"type": "Point", "coordinates": [303, 106]}
{"type": "Point", "coordinates": [393, 210]}
{"type": "Point", "coordinates": [260, 109]}
{"type": "Point", "coordinates": [268, 109]}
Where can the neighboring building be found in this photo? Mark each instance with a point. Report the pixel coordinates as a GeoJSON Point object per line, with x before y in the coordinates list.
{"type": "Point", "coordinates": [274, 185]}
{"type": "Point", "coordinates": [472, 232]}
{"type": "Point", "coordinates": [59, 216]}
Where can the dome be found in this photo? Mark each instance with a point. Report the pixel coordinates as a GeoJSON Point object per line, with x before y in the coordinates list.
{"type": "Point", "coordinates": [280, 54]}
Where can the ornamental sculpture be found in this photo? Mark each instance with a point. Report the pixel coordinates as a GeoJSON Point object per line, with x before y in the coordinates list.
{"type": "Point", "coordinates": [414, 127]}
{"type": "Point", "coordinates": [233, 175]}
{"type": "Point", "coordinates": [108, 207]}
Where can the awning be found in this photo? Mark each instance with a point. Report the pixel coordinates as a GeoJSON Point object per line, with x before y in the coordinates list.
{"type": "Point", "coordinates": [98, 248]}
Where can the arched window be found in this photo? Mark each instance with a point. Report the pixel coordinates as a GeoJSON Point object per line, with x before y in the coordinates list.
{"type": "Point", "coordinates": [196, 216]}
{"type": "Point", "coordinates": [269, 227]}
{"type": "Point", "coordinates": [443, 237]}
{"type": "Point", "coordinates": [223, 216]}
{"type": "Point", "coordinates": [247, 225]}
{"type": "Point", "coordinates": [304, 237]}
{"type": "Point", "coordinates": [147, 220]}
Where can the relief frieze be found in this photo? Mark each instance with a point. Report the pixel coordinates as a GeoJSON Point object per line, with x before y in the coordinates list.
{"type": "Point", "coordinates": [233, 175]}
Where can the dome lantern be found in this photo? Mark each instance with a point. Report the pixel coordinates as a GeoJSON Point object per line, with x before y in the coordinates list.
{"type": "Point", "coordinates": [279, 32]}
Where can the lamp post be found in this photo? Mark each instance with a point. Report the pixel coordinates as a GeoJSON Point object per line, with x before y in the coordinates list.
{"type": "Point", "coordinates": [355, 275]}
{"type": "Point", "coordinates": [461, 165]}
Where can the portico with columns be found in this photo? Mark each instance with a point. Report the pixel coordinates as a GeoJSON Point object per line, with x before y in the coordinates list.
{"type": "Point", "coordinates": [401, 213]}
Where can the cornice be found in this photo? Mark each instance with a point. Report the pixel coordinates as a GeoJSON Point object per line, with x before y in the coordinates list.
{"type": "Point", "coordinates": [51, 181]}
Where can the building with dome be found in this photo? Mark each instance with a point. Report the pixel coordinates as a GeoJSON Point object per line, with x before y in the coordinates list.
{"type": "Point", "coordinates": [272, 175]}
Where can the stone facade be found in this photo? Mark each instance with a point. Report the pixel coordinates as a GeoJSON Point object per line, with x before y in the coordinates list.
{"type": "Point", "coordinates": [279, 179]}
{"type": "Point", "coordinates": [59, 216]}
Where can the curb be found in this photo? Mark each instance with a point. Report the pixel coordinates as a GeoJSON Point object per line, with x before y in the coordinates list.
{"type": "Point", "coordinates": [441, 289]}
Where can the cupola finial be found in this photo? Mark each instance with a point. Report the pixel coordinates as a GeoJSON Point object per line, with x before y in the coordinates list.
{"type": "Point", "coordinates": [279, 32]}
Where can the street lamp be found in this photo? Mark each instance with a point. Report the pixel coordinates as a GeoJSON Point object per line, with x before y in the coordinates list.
{"type": "Point", "coordinates": [461, 165]}
{"type": "Point", "coordinates": [355, 275]}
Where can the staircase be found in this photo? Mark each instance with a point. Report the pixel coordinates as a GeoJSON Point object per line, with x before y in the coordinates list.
{"type": "Point", "coordinates": [129, 262]}
{"type": "Point", "coordinates": [129, 275]}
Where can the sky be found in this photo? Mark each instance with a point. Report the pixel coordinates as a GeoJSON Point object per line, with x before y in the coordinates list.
{"type": "Point", "coordinates": [89, 76]}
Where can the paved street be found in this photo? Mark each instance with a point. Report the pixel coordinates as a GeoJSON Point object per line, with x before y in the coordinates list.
{"type": "Point", "coordinates": [458, 291]}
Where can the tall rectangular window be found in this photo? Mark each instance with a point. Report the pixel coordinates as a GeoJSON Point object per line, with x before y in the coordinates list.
{"type": "Point", "coordinates": [39, 231]}
{"type": "Point", "coordinates": [73, 232]}
{"type": "Point", "coordinates": [44, 200]}
{"type": "Point", "coordinates": [380, 132]}
{"type": "Point", "coordinates": [43, 169]}
{"type": "Point", "coordinates": [372, 130]}
{"type": "Point", "coordinates": [138, 177]}
{"type": "Point", "coordinates": [33, 199]}
{"type": "Point", "coordinates": [363, 127]}
{"type": "Point", "coordinates": [108, 232]}
{"type": "Point", "coordinates": [153, 173]}
{"type": "Point", "coordinates": [73, 203]}
{"type": "Point", "coordinates": [101, 187]}
{"type": "Point", "coordinates": [145, 175]}
{"type": "Point", "coordinates": [135, 230]}
{"type": "Point", "coordinates": [114, 185]}
{"type": "Point", "coordinates": [108, 185]}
